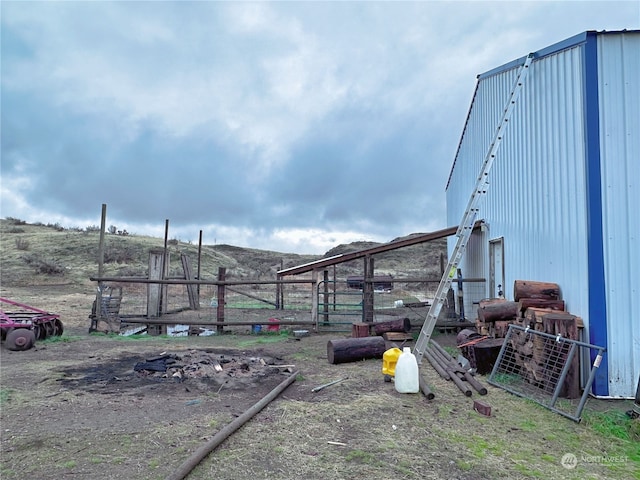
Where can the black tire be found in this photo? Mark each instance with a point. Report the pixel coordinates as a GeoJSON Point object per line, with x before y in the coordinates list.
{"type": "Point", "coordinates": [20, 339]}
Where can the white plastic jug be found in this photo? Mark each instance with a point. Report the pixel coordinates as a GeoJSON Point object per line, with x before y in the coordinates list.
{"type": "Point", "coordinates": [407, 380]}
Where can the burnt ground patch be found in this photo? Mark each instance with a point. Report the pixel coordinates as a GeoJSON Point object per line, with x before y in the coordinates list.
{"type": "Point", "coordinates": [190, 370]}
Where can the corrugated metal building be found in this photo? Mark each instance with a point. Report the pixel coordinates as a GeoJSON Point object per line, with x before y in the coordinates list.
{"type": "Point", "coordinates": [565, 189]}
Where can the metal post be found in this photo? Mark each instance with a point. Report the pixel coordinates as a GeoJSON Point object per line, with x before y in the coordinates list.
{"type": "Point", "coordinates": [563, 374]}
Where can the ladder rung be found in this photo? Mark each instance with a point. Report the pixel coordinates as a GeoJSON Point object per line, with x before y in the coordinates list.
{"type": "Point", "coordinates": [465, 228]}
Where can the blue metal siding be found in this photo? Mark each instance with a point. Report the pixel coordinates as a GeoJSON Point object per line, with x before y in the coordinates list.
{"type": "Point", "coordinates": [535, 198]}
{"type": "Point", "coordinates": [563, 187]}
{"type": "Point", "coordinates": [619, 119]}
{"type": "Point", "coordinates": [598, 334]}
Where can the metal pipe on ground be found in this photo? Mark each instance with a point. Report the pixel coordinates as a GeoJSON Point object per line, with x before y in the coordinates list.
{"type": "Point", "coordinates": [436, 358]}
{"type": "Point", "coordinates": [424, 388]}
{"type": "Point", "coordinates": [459, 383]}
{"type": "Point", "coordinates": [481, 389]}
{"type": "Point", "coordinates": [442, 351]}
{"type": "Point", "coordinates": [444, 362]}
{"type": "Point", "coordinates": [434, 363]}
{"type": "Point", "coordinates": [226, 432]}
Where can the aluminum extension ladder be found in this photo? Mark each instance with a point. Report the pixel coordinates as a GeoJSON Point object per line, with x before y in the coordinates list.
{"type": "Point", "coordinates": [468, 220]}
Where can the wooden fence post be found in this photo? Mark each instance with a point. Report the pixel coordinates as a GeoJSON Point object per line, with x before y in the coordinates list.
{"type": "Point", "coordinates": [222, 273]}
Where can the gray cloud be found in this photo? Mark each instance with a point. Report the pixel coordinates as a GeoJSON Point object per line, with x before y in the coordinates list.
{"type": "Point", "coordinates": [287, 126]}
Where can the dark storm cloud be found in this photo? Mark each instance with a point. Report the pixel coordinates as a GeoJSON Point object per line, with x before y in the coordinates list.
{"type": "Point", "coordinates": [286, 126]}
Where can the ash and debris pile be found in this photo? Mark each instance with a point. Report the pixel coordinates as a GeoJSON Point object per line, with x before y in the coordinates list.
{"type": "Point", "coordinates": [197, 364]}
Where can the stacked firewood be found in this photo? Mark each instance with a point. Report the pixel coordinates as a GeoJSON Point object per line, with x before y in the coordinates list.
{"type": "Point", "coordinates": [495, 314]}
{"type": "Point", "coordinates": [536, 305]}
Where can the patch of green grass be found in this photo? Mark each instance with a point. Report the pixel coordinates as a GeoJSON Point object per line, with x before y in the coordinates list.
{"type": "Point", "coordinates": [360, 456]}
{"type": "Point", "coordinates": [261, 340]}
{"type": "Point", "coordinates": [611, 424]}
{"type": "Point", "coordinates": [126, 441]}
{"type": "Point", "coordinates": [143, 337]}
{"type": "Point", "coordinates": [507, 379]}
{"type": "Point", "coordinates": [453, 351]}
{"type": "Point", "coordinates": [69, 464]}
{"type": "Point", "coordinates": [5, 395]}
{"type": "Point", "coordinates": [61, 339]}
{"type": "Point", "coordinates": [528, 472]}
{"type": "Point", "coordinates": [528, 425]}
{"type": "Point", "coordinates": [549, 458]}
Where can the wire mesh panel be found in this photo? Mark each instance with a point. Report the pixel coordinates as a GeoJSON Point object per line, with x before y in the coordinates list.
{"type": "Point", "coordinates": [543, 368]}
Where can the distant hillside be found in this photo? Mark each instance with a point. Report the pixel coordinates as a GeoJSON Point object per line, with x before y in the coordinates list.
{"type": "Point", "coordinates": [37, 254]}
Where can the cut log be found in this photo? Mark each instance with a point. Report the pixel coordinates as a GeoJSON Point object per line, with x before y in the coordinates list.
{"type": "Point", "coordinates": [500, 328]}
{"type": "Point", "coordinates": [566, 325]}
{"type": "Point", "coordinates": [531, 289]}
{"type": "Point", "coordinates": [534, 315]}
{"type": "Point", "coordinates": [525, 303]}
{"type": "Point", "coordinates": [498, 311]}
{"type": "Point", "coordinates": [482, 328]}
{"type": "Point", "coordinates": [563, 324]}
{"type": "Point", "coordinates": [488, 301]}
{"type": "Point", "coordinates": [360, 329]}
{"type": "Point", "coordinates": [355, 349]}
{"type": "Point", "coordinates": [396, 325]}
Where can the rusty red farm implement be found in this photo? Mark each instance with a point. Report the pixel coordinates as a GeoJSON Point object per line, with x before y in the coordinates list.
{"type": "Point", "coordinates": [21, 327]}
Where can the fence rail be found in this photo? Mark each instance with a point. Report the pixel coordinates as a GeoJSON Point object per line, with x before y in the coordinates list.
{"type": "Point", "coordinates": [325, 305]}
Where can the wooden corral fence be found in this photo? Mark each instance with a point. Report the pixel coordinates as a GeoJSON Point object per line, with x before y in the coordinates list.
{"type": "Point", "coordinates": [213, 304]}
{"type": "Point", "coordinates": [314, 303]}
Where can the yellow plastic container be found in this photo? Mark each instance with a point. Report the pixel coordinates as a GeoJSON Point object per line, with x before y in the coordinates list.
{"type": "Point", "coordinates": [389, 360]}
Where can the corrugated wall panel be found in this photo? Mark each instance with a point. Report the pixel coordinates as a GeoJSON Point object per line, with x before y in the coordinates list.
{"type": "Point", "coordinates": [536, 198]}
{"type": "Point", "coordinates": [619, 95]}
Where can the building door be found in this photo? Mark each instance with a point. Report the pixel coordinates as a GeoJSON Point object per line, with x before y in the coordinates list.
{"type": "Point", "coordinates": [496, 268]}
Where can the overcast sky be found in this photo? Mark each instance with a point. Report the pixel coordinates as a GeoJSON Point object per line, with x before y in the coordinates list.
{"type": "Point", "coordinates": [287, 126]}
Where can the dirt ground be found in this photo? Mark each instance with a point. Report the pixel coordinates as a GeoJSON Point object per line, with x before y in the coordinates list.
{"type": "Point", "coordinates": [83, 407]}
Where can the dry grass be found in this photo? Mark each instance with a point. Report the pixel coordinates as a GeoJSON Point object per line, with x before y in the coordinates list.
{"type": "Point", "coordinates": [52, 432]}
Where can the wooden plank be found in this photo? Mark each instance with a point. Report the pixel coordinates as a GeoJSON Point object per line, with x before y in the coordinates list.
{"type": "Point", "coordinates": [192, 290]}
{"type": "Point", "coordinates": [397, 337]}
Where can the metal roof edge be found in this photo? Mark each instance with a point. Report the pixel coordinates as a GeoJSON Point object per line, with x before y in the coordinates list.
{"type": "Point", "coordinates": [570, 42]}
{"type": "Point", "coordinates": [393, 245]}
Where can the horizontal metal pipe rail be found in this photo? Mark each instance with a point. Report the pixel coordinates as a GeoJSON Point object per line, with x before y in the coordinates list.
{"type": "Point", "coordinates": [182, 281]}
